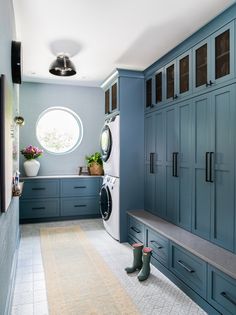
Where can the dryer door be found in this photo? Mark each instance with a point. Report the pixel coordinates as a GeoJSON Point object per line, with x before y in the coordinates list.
{"type": "Point", "coordinates": [106, 143]}
{"type": "Point", "coordinates": [105, 202]}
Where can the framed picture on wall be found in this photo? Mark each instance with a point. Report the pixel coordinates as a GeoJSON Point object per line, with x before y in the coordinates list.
{"type": "Point", "coordinates": [6, 141]}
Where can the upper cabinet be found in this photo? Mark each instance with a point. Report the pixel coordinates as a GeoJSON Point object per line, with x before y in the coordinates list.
{"type": "Point", "coordinates": [204, 66]}
{"type": "Point", "coordinates": [111, 98]}
{"type": "Point", "coordinates": [213, 59]}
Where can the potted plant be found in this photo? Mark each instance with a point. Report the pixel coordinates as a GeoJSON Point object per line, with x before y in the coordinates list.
{"type": "Point", "coordinates": [94, 163]}
{"type": "Point", "coordinates": [31, 165]}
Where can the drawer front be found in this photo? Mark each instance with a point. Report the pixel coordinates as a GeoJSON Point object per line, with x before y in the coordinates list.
{"type": "Point", "coordinates": [189, 268]}
{"type": "Point", "coordinates": [136, 230]}
{"type": "Point", "coordinates": [222, 291]}
{"type": "Point", "coordinates": [36, 209]}
{"type": "Point", "coordinates": [80, 187]}
{"type": "Point", "coordinates": [40, 189]}
{"type": "Point", "coordinates": [79, 206]}
{"type": "Point", "coordinates": [160, 246]}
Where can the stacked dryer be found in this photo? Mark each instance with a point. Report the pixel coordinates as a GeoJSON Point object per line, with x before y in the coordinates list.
{"type": "Point", "coordinates": [110, 190]}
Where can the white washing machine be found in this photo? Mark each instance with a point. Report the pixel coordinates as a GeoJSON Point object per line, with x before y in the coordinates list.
{"type": "Point", "coordinates": [110, 205]}
{"type": "Point", "coordinates": [110, 146]}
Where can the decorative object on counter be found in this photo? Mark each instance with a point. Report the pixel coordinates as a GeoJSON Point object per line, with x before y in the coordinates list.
{"type": "Point", "coordinates": [94, 163]}
{"type": "Point", "coordinates": [145, 271]}
{"type": "Point", "coordinates": [83, 170]}
{"type": "Point", "coordinates": [31, 165]}
{"type": "Point", "coordinates": [137, 259]}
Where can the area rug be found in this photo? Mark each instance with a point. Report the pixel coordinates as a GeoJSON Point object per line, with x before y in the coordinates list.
{"type": "Point", "coordinates": [78, 280]}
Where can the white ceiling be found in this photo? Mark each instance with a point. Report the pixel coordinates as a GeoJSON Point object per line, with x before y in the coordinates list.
{"type": "Point", "coordinates": [102, 35]}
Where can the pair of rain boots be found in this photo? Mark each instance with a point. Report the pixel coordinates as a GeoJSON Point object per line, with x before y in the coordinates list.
{"type": "Point", "coordinates": [141, 261]}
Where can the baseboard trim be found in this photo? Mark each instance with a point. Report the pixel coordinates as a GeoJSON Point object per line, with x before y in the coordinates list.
{"type": "Point", "coordinates": [12, 278]}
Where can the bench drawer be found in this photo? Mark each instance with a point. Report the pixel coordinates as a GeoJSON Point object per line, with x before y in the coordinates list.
{"type": "Point", "coordinates": [80, 187]}
{"type": "Point", "coordinates": [189, 268]}
{"type": "Point", "coordinates": [160, 246]}
{"type": "Point", "coordinates": [136, 230]}
{"type": "Point", "coordinates": [79, 206]}
{"type": "Point", "coordinates": [36, 209]}
{"type": "Point", "coordinates": [40, 189]}
{"type": "Point", "coordinates": [222, 291]}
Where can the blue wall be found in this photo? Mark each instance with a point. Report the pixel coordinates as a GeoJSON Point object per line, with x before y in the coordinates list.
{"type": "Point", "coordinates": [87, 102]}
{"type": "Point", "coordinates": [9, 226]}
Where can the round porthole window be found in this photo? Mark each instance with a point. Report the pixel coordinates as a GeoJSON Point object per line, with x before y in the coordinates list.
{"type": "Point", "coordinates": [59, 130]}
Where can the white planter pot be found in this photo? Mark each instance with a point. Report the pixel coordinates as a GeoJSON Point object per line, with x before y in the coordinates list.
{"type": "Point", "coordinates": [31, 167]}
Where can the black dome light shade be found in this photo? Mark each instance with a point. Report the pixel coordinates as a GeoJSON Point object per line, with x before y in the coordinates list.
{"type": "Point", "coordinates": [62, 66]}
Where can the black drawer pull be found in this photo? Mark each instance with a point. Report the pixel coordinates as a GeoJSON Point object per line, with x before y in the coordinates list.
{"type": "Point", "coordinates": [182, 264]}
{"type": "Point", "coordinates": [224, 294]}
{"type": "Point", "coordinates": [39, 188]}
{"type": "Point", "coordinates": [38, 208]}
{"type": "Point", "coordinates": [156, 244]}
{"type": "Point", "coordinates": [77, 187]}
{"type": "Point", "coordinates": [135, 229]}
{"type": "Point", "coordinates": [79, 206]}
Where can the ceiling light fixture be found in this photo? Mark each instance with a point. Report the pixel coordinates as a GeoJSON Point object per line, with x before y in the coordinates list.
{"type": "Point", "coordinates": [62, 66]}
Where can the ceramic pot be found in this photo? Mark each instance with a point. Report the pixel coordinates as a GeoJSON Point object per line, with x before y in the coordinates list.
{"type": "Point", "coordinates": [31, 167]}
{"type": "Point", "coordinates": [96, 169]}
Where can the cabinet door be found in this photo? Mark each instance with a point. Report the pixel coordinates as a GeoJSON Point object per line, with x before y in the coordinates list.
{"type": "Point", "coordinates": [114, 97]}
{"type": "Point", "coordinates": [159, 87]}
{"type": "Point", "coordinates": [184, 74]}
{"type": "Point", "coordinates": [222, 197]}
{"type": "Point", "coordinates": [107, 101]}
{"type": "Point", "coordinates": [185, 163]}
{"type": "Point", "coordinates": [201, 61]}
{"type": "Point", "coordinates": [201, 187]}
{"type": "Point", "coordinates": [222, 43]}
{"type": "Point", "coordinates": [170, 73]}
{"type": "Point", "coordinates": [149, 184]}
{"type": "Point", "coordinates": [171, 181]}
{"type": "Point", "coordinates": [149, 93]}
{"type": "Point", "coordinates": [159, 164]}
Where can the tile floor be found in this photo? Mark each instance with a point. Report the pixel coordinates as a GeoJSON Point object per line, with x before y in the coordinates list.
{"type": "Point", "coordinates": [155, 296]}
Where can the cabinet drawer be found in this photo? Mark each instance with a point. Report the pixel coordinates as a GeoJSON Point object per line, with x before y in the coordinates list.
{"type": "Point", "coordinates": [189, 268]}
{"type": "Point", "coordinates": [136, 230]}
{"type": "Point", "coordinates": [40, 189]}
{"type": "Point", "coordinates": [160, 247]}
{"type": "Point", "coordinates": [80, 187]}
{"type": "Point", "coordinates": [79, 206]}
{"type": "Point", "coordinates": [35, 209]}
{"type": "Point", "coordinates": [222, 291]}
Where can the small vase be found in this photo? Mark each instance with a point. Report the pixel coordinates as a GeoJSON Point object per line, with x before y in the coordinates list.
{"type": "Point", "coordinates": [95, 169]}
{"type": "Point", "coordinates": [31, 167]}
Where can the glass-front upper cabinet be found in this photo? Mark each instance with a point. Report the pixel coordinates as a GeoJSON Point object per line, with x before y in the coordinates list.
{"type": "Point", "coordinates": [107, 101]}
{"type": "Point", "coordinates": [114, 103]}
{"type": "Point", "coordinates": [111, 98]}
{"type": "Point", "coordinates": [213, 58]}
{"type": "Point", "coordinates": [159, 87]}
{"type": "Point", "coordinates": [149, 93]}
{"type": "Point", "coordinates": [184, 71]}
{"type": "Point", "coordinates": [170, 73]}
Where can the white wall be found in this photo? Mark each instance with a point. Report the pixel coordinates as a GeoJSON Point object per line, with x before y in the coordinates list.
{"type": "Point", "coordinates": [87, 102]}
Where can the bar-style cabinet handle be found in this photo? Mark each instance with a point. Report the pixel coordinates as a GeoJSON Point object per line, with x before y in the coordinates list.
{"type": "Point", "coordinates": [38, 208]}
{"type": "Point", "coordinates": [207, 167]}
{"type": "Point", "coordinates": [211, 167]}
{"type": "Point", "coordinates": [182, 264]}
{"type": "Point", "coordinates": [224, 294]}
{"type": "Point", "coordinates": [175, 164]}
{"type": "Point", "coordinates": [78, 187]}
{"type": "Point", "coordinates": [152, 163]}
{"type": "Point", "coordinates": [135, 229]}
{"type": "Point", "coordinates": [158, 246]}
{"type": "Point", "coordinates": [38, 188]}
{"type": "Point", "coordinates": [79, 206]}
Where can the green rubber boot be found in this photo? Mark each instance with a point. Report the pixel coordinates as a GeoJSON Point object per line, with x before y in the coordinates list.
{"type": "Point", "coordinates": [145, 271]}
{"type": "Point", "coordinates": [137, 262]}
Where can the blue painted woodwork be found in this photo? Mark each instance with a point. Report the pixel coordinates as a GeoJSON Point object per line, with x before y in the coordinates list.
{"type": "Point", "coordinates": [131, 98]}
{"type": "Point", "coordinates": [55, 199]}
{"type": "Point", "coordinates": [221, 291]}
{"type": "Point", "coordinates": [79, 206]}
{"type": "Point", "coordinates": [41, 188]}
{"type": "Point", "coordinates": [189, 268]}
{"type": "Point", "coordinates": [159, 245]}
{"type": "Point", "coordinates": [136, 230]}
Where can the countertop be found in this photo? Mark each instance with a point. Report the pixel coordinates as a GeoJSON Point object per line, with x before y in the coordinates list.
{"type": "Point", "coordinates": [57, 176]}
{"type": "Point", "coordinates": [213, 254]}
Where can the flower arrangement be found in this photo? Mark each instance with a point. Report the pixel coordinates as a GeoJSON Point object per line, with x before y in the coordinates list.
{"type": "Point", "coordinates": [31, 152]}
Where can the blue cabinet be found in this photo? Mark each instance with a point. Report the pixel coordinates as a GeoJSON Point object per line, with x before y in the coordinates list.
{"type": "Point", "coordinates": [213, 193]}
{"type": "Point", "coordinates": [160, 247]}
{"type": "Point", "coordinates": [57, 199]}
{"type": "Point", "coordinates": [221, 291]}
{"type": "Point", "coordinates": [112, 98]}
